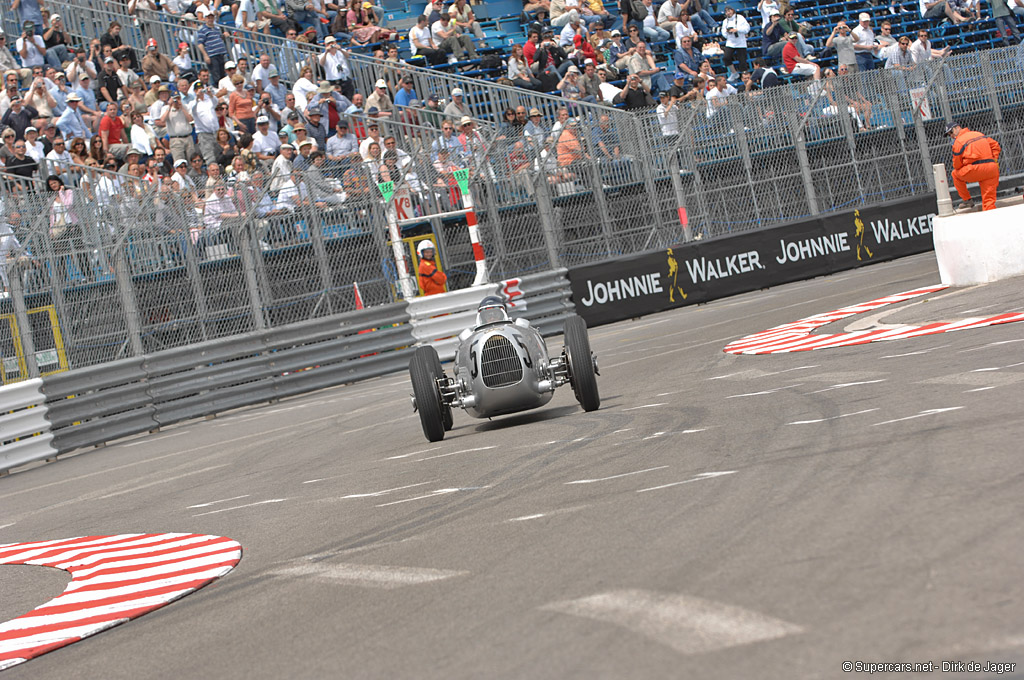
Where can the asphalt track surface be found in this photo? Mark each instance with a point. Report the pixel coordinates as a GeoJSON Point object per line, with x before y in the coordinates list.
{"type": "Point", "coordinates": [867, 507]}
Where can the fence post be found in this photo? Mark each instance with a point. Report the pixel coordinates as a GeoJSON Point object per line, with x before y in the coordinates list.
{"type": "Point", "coordinates": [123, 278]}
{"type": "Point", "coordinates": [316, 235]}
{"type": "Point", "coordinates": [196, 283]}
{"type": "Point", "coordinates": [546, 212]}
{"type": "Point", "coordinates": [28, 346]}
{"type": "Point", "coordinates": [922, 142]}
{"type": "Point", "coordinates": [677, 188]}
{"type": "Point", "coordinates": [597, 186]}
{"type": "Point", "coordinates": [993, 94]}
{"type": "Point", "coordinates": [649, 186]}
{"type": "Point", "coordinates": [245, 246]}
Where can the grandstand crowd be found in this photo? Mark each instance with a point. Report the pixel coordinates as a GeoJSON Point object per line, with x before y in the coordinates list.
{"type": "Point", "coordinates": [97, 120]}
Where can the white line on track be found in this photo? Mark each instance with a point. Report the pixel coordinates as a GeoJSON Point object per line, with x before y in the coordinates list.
{"type": "Point", "coordinates": [414, 453]}
{"type": "Point", "coordinates": [849, 384]}
{"type": "Point", "coordinates": [239, 507]}
{"type": "Point", "coordinates": [763, 392]}
{"type": "Point", "coordinates": [162, 480]}
{"type": "Point", "coordinates": [452, 453]}
{"type": "Point", "coordinates": [624, 474]}
{"type": "Point", "coordinates": [625, 429]}
{"type": "Point", "coordinates": [368, 575]}
{"type": "Point", "coordinates": [374, 494]}
{"type": "Point", "coordinates": [656, 435]}
{"type": "Point", "coordinates": [982, 389]}
{"type": "Point", "coordinates": [438, 492]}
{"type": "Point", "coordinates": [687, 624]}
{"type": "Point", "coordinates": [514, 519]}
{"type": "Point", "coordinates": [991, 344]}
{"type": "Point", "coordinates": [910, 354]}
{"type": "Point", "coordinates": [147, 440]}
{"type": "Point", "coordinates": [223, 500]}
{"type": "Point", "coordinates": [922, 414]}
{"type": "Point", "coordinates": [823, 420]}
{"type": "Point", "coordinates": [4, 526]}
{"type": "Point", "coordinates": [699, 478]}
{"type": "Point", "coordinates": [635, 408]}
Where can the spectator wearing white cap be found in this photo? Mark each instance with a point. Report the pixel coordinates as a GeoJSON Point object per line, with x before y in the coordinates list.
{"type": "Point", "coordinates": [204, 114]}
{"type": "Point", "coordinates": [281, 170]}
{"type": "Point", "coordinates": [380, 99]}
{"type": "Point", "coordinates": [336, 67]}
{"type": "Point", "coordinates": [226, 85]}
{"type": "Point", "coordinates": [72, 122]}
{"type": "Point", "coordinates": [56, 40]}
{"type": "Point", "coordinates": [182, 181]}
{"type": "Point", "coordinates": [34, 147]}
{"type": "Point", "coordinates": [457, 107]}
{"type": "Point", "coordinates": [177, 121]}
{"type": "Point", "coordinates": [152, 94]}
{"type": "Point", "coordinates": [864, 42]}
{"type": "Point", "coordinates": [58, 161]}
{"type": "Point", "coordinates": [265, 144]}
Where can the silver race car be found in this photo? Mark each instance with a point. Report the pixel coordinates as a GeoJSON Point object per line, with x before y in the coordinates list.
{"type": "Point", "coordinates": [501, 367]}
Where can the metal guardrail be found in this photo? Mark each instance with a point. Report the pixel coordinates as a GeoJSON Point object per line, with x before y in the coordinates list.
{"type": "Point", "coordinates": [94, 405]}
{"type": "Point", "coordinates": [24, 430]}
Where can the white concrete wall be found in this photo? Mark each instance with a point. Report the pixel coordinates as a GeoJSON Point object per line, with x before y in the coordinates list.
{"type": "Point", "coordinates": [980, 247]}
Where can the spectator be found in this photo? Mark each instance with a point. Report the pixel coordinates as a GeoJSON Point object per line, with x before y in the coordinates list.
{"type": "Point", "coordinates": [55, 40]}
{"type": "Point", "coordinates": [380, 99]}
{"type": "Point", "coordinates": [21, 165]}
{"type": "Point", "coordinates": [276, 89]}
{"type": "Point", "coordinates": [303, 88]}
{"type": "Point", "coordinates": [842, 43]}
{"type": "Point", "coordinates": [58, 161]}
{"type": "Point", "coordinates": [270, 11]}
{"type": "Point", "coordinates": [9, 245]}
{"type": "Point", "coordinates": [304, 158]}
{"type": "Point", "coordinates": [846, 89]}
{"type": "Point", "coordinates": [796, 64]}
{"type": "Point", "coordinates": [217, 209]}
{"type": "Point", "coordinates": [700, 17]}
{"type": "Point", "coordinates": [561, 14]}
{"type": "Point", "coordinates": [226, 148]}
{"type": "Point", "coordinates": [734, 55]}
{"type": "Point", "coordinates": [183, 62]}
{"type": "Point", "coordinates": [668, 117]}
{"type": "Point", "coordinates": [450, 42]}
{"type": "Point", "coordinates": [66, 231]}
{"type": "Point", "coordinates": [29, 12]}
{"type": "Point", "coordinates": [282, 167]}
{"type": "Point", "coordinates": [688, 60]}
{"type": "Point", "coordinates": [182, 182]}
{"type": "Point", "coordinates": [763, 76]}
{"type": "Point", "coordinates": [538, 9]}
{"type": "Point", "coordinates": [34, 147]}
{"type": "Point", "coordinates": [636, 95]}
{"type": "Point", "coordinates": [790, 24]}
{"type": "Point", "coordinates": [204, 115]}
{"type": "Point", "coordinates": [900, 58]}
{"type": "Point", "coordinates": [773, 37]}
{"type": "Point", "coordinates": [177, 121]}
{"type": "Point", "coordinates": [324, 192]}
{"type": "Point", "coordinates": [10, 68]}
{"type": "Point", "coordinates": [608, 91]}
{"type": "Point", "coordinates": [78, 151]}
{"type": "Point", "coordinates": [109, 85]}
{"type": "Point", "coordinates": [652, 31]}
{"type": "Point", "coordinates": [590, 83]}
{"type": "Point", "coordinates": [153, 93]}
{"type": "Point", "coordinates": [864, 43]}
{"type": "Point", "coordinates": [933, 10]}
{"type": "Point", "coordinates": [7, 150]}
{"type": "Point", "coordinates": [126, 75]}
{"type": "Point", "coordinates": [885, 41]}
{"type": "Point", "coordinates": [457, 107]}
{"type": "Point", "coordinates": [362, 24]}
{"type": "Point", "coordinates": [265, 143]}
{"type": "Point", "coordinates": [641, 63]}
{"type": "Point", "coordinates": [421, 42]}
{"type": "Point", "coordinates": [343, 146]}
{"type": "Point", "coordinates": [141, 136]}
{"type": "Point", "coordinates": [716, 97]}
{"type": "Point", "coordinates": [922, 50]}
{"type": "Point", "coordinates": [19, 117]}
{"type": "Point", "coordinates": [231, 81]}
{"type": "Point", "coordinates": [767, 8]}
{"type": "Point", "coordinates": [112, 39]}
{"type": "Point", "coordinates": [317, 127]}
{"type": "Point", "coordinates": [30, 46]}
{"type": "Point", "coordinates": [211, 44]}
{"type": "Point", "coordinates": [157, 64]}
{"type": "Point", "coordinates": [465, 21]}
{"type": "Point", "coordinates": [447, 140]}
{"type": "Point", "coordinates": [41, 101]}
{"type": "Point", "coordinates": [406, 93]}
{"type": "Point", "coordinates": [242, 108]}
{"type": "Point", "coordinates": [80, 65]}
{"type": "Point", "coordinates": [668, 15]}
{"type": "Point", "coordinates": [336, 67]}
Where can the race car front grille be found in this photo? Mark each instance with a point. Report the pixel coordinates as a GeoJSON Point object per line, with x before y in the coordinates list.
{"type": "Point", "coordinates": [500, 365]}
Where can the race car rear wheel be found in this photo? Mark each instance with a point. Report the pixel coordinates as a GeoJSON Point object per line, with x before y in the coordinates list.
{"type": "Point", "coordinates": [424, 370]}
{"type": "Point", "coordinates": [582, 376]}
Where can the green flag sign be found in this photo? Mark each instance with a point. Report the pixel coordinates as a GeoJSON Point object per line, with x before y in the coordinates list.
{"type": "Point", "coordinates": [387, 190]}
{"type": "Point", "coordinates": [462, 177]}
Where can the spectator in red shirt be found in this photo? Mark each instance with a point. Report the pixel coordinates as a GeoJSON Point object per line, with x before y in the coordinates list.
{"type": "Point", "coordinates": [530, 47]}
{"type": "Point", "coordinates": [111, 128]}
{"type": "Point", "coordinates": [796, 64]}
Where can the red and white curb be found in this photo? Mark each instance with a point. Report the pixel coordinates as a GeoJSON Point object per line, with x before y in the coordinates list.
{"type": "Point", "coordinates": [797, 337]}
{"type": "Point", "coordinates": [113, 579]}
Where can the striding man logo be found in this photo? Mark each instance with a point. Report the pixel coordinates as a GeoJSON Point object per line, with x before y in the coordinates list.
{"type": "Point", "coordinates": [673, 274]}
{"type": "Point", "coordinates": [859, 234]}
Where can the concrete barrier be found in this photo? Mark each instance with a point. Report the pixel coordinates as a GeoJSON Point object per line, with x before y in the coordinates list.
{"type": "Point", "coordinates": [980, 247]}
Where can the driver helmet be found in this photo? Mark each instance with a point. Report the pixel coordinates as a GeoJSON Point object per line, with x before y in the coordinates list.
{"type": "Point", "coordinates": [491, 310]}
{"type": "Point", "coordinates": [425, 244]}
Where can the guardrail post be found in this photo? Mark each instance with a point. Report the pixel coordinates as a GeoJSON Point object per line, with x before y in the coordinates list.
{"type": "Point", "coordinates": [677, 188]}
{"type": "Point", "coordinates": [245, 246]}
{"type": "Point", "coordinates": [123, 278]}
{"type": "Point", "coordinates": [945, 203]}
{"type": "Point", "coordinates": [28, 346]}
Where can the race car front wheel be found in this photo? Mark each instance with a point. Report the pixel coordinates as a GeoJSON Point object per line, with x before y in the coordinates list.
{"type": "Point", "coordinates": [424, 370]}
{"type": "Point", "coordinates": [582, 375]}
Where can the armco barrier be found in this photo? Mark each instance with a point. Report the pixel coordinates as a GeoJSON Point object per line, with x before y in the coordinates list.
{"type": "Point", "coordinates": [700, 271]}
{"type": "Point", "coordinates": [24, 430]}
{"type": "Point", "coordinates": [98, 404]}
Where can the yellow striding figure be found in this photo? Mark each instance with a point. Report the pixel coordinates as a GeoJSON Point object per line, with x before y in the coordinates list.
{"type": "Point", "coordinates": [859, 234]}
{"type": "Point", "coordinates": [673, 273]}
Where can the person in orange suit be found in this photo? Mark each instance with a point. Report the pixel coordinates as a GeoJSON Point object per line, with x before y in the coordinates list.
{"type": "Point", "coordinates": [975, 159]}
{"type": "Point", "coordinates": [432, 279]}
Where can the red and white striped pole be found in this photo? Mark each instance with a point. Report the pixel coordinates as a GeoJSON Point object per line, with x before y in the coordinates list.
{"type": "Point", "coordinates": [462, 177]}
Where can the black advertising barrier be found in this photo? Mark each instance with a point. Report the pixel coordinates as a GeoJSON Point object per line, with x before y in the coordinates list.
{"type": "Point", "coordinates": [701, 271]}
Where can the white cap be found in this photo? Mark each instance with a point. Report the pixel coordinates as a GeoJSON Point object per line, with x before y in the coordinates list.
{"type": "Point", "coordinates": [864, 16]}
{"type": "Point", "coordinates": [457, 92]}
{"type": "Point", "coordinates": [330, 39]}
{"type": "Point", "coordinates": [154, 79]}
{"type": "Point", "coordinates": [31, 128]}
{"type": "Point", "coordinates": [272, 71]}
{"type": "Point", "coordinates": [180, 162]}
{"type": "Point", "coordinates": [260, 120]}
{"type": "Point", "coordinates": [54, 17]}
{"type": "Point", "coordinates": [380, 83]}
{"type": "Point", "coordinates": [466, 120]}
{"type": "Point", "coordinates": [73, 98]}
{"type": "Point", "coordinates": [230, 64]}
{"type": "Point", "coordinates": [202, 11]}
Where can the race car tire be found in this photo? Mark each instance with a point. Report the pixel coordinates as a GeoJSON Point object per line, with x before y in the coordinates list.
{"type": "Point", "coordinates": [446, 409]}
{"type": "Point", "coordinates": [582, 376]}
{"type": "Point", "coordinates": [423, 371]}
